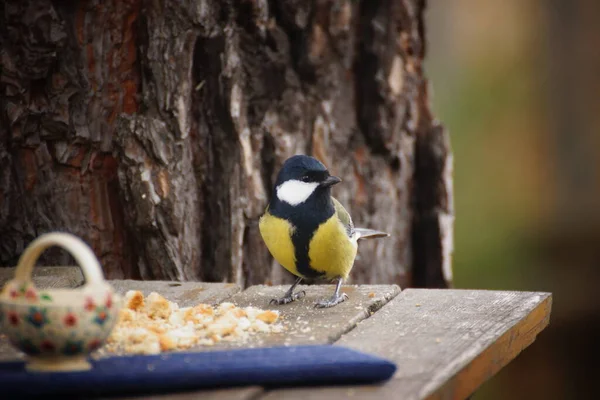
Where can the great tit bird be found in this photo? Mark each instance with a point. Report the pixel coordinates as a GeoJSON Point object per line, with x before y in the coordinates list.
{"type": "Point", "coordinates": [307, 230]}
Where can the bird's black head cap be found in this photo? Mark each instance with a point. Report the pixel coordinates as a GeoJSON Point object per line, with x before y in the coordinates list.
{"type": "Point", "coordinates": [303, 183]}
{"type": "Point", "coordinates": [302, 168]}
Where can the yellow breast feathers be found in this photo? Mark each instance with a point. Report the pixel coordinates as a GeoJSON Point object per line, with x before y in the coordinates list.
{"type": "Point", "coordinates": [331, 251]}
{"type": "Point", "coordinates": [277, 235]}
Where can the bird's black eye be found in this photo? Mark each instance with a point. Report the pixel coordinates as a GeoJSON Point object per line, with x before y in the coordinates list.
{"type": "Point", "coordinates": [305, 178]}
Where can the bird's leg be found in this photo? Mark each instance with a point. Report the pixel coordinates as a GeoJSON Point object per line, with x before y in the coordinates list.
{"type": "Point", "coordinates": [335, 299]}
{"type": "Point", "coordinates": [290, 296]}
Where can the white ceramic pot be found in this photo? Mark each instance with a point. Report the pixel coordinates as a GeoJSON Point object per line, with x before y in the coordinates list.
{"type": "Point", "coordinates": [58, 328]}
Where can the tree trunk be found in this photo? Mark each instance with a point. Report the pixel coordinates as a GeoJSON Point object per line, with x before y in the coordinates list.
{"type": "Point", "coordinates": [154, 130]}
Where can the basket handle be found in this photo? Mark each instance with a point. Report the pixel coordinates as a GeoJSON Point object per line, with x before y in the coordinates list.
{"type": "Point", "coordinates": [83, 254]}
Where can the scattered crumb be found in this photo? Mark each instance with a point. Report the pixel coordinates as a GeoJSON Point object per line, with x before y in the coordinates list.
{"type": "Point", "coordinates": [268, 316]}
{"type": "Point", "coordinates": [372, 294]}
{"type": "Point", "coordinates": [153, 325]}
{"type": "Point", "coordinates": [417, 305]}
{"type": "Point", "coordinates": [158, 307]}
{"type": "Point", "coordinates": [397, 322]}
{"type": "Point", "coordinates": [134, 300]}
{"type": "Point", "coordinates": [438, 340]}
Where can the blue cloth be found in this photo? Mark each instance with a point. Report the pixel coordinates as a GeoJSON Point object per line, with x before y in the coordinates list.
{"type": "Point", "coordinates": [269, 367]}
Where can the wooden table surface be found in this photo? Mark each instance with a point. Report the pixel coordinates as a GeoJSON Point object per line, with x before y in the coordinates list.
{"type": "Point", "coordinates": [445, 342]}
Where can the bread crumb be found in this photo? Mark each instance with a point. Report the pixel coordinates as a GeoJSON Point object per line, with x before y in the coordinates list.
{"type": "Point", "coordinates": [153, 325]}
{"type": "Point", "coordinates": [134, 300]}
{"type": "Point", "coordinates": [268, 316]}
{"type": "Point", "coordinates": [371, 295]}
{"type": "Point", "coordinates": [126, 315]}
{"type": "Point", "coordinates": [166, 343]}
{"type": "Point", "coordinates": [204, 309]}
{"type": "Point", "coordinates": [158, 306]}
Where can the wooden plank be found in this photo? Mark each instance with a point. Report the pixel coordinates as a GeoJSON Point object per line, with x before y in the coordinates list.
{"type": "Point", "coordinates": [305, 324]}
{"type": "Point", "coordinates": [446, 343]}
{"type": "Point", "coordinates": [474, 368]}
{"type": "Point", "coordinates": [244, 393]}
{"type": "Point", "coordinates": [48, 277]}
{"type": "Point", "coordinates": [7, 352]}
{"type": "Point", "coordinates": [375, 392]}
{"type": "Point", "coordinates": [183, 293]}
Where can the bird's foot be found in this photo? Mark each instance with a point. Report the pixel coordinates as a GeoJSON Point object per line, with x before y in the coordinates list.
{"type": "Point", "coordinates": [332, 301]}
{"type": "Point", "coordinates": [288, 298]}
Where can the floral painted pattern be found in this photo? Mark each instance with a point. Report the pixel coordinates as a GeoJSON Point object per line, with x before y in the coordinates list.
{"type": "Point", "coordinates": [89, 304]}
{"type": "Point", "coordinates": [101, 316]}
{"type": "Point", "coordinates": [47, 346]}
{"type": "Point", "coordinates": [37, 317]}
{"type": "Point", "coordinates": [37, 326]}
{"type": "Point", "coordinates": [25, 290]}
{"type": "Point", "coordinates": [70, 320]}
{"type": "Point", "coordinates": [31, 294]}
{"type": "Point", "coordinates": [13, 318]}
{"type": "Point", "coordinates": [72, 347]}
{"type": "Point", "coordinates": [46, 297]}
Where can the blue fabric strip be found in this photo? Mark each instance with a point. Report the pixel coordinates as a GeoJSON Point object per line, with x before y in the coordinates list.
{"type": "Point", "coordinates": [269, 367]}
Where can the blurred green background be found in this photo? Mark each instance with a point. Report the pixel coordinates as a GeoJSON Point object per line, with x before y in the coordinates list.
{"type": "Point", "coordinates": [517, 83]}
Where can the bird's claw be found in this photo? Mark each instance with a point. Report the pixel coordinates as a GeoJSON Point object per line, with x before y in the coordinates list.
{"type": "Point", "coordinates": [332, 301]}
{"type": "Point", "coordinates": [288, 298]}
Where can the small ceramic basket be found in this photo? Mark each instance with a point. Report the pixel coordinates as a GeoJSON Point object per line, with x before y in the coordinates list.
{"type": "Point", "coordinates": [58, 328]}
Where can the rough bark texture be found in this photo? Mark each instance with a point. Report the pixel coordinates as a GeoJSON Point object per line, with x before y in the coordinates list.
{"type": "Point", "coordinates": [153, 129]}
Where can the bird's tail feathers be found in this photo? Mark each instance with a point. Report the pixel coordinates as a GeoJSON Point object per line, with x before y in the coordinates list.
{"type": "Point", "coordinates": [363, 233]}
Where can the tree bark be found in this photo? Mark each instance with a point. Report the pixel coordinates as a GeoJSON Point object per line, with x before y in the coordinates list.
{"type": "Point", "coordinates": [154, 129]}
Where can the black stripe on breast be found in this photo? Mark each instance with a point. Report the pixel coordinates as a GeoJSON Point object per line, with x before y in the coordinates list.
{"type": "Point", "coordinates": [301, 239]}
{"type": "Point", "coordinates": [306, 218]}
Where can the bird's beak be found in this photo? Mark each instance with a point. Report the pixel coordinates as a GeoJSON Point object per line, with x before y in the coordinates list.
{"type": "Point", "coordinates": [330, 181]}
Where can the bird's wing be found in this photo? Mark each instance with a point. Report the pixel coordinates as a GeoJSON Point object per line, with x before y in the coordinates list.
{"type": "Point", "coordinates": [355, 233]}
{"type": "Point", "coordinates": [364, 233]}
{"type": "Point", "coordinates": [344, 217]}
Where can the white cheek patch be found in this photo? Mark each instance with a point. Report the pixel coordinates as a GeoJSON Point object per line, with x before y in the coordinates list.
{"type": "Point", "coordinates": [295, 192]}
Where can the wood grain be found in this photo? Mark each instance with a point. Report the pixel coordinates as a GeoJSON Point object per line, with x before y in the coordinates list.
{"type": "Point", "coordinates": [437, 334]}
{"type": "Point", "coordinates": [246, 393]}
{"type": "Point", "coordinates": [483, 365]}
{"type": "Point", "coordinates": [185, 294]}
{"type": "Point", "coordinates": [306, 325]}
{"type": "Point", "coordinates": [446, 343]}
{"type": "Point", "coordinates": [48, 277]}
